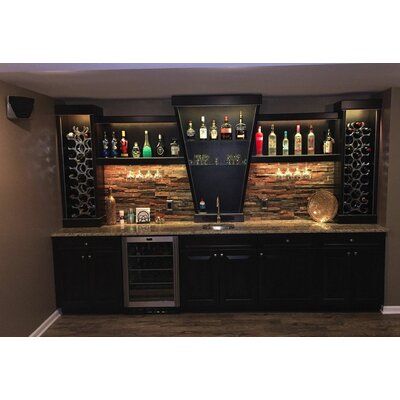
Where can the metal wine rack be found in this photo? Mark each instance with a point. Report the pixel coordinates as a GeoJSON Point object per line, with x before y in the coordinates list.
{"type": "Point", "coordinates": [358, 166]}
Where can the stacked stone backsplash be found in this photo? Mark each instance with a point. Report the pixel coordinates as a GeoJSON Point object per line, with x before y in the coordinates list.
{"type": "Point", "coordinates": [287, 199]}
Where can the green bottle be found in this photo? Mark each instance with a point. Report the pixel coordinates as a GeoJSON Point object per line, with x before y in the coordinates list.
{"type": "Point", "coordinates": [146, 147]}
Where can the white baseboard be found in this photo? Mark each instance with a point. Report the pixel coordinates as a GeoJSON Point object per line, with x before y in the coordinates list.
{"type": "Point", "coordinates": [46, 324]}
{"type": "Point", "coordinates": [390, 310]}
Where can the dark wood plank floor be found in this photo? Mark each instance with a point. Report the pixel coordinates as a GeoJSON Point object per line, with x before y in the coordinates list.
{"type": "Point", "coordinates": [229, 324]}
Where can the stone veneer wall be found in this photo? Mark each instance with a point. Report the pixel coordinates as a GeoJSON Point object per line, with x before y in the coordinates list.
{"type": "Point", "coordinates": [287, 199]}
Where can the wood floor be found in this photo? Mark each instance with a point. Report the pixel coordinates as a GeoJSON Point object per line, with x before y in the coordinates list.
{"type": "Point", "coordinates": [229, 324]}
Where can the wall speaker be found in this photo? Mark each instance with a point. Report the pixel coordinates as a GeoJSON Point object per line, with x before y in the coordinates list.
{"type": "Point", "coordinates": [19, 107]}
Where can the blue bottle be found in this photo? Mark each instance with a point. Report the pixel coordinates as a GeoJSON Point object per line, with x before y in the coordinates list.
{"type": "Point", "coordinates": [105, 151]}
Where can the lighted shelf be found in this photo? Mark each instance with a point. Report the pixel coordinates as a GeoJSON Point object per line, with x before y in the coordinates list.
{"type": "Point", "coordinates": [293, 158]}
{"type": "Point", "coordinates": [141, 161]}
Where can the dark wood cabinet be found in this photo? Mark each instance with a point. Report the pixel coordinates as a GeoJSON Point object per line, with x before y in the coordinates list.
{"type": "Point", "coordinates": [286, 277]}
{"type": "Point", "coordinates": [88, 274]}
{"type": "Point", "coordinates": [238, 279]}
{"type": "Point", "coordinates": [199, 279]}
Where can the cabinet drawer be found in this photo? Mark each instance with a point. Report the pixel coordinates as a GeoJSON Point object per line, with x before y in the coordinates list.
{"type": "Point", "coordinates": [287, 240]}
{"type": "Point", "coordinates": [346, 239]}
{"type": "Point", "coordinates": [87, 242]}
{"type": "Point", "coordinates": [217, 241]}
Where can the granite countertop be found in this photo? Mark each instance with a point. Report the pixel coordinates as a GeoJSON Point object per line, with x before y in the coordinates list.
{"type": "Point", "coordinates": [191, 228]}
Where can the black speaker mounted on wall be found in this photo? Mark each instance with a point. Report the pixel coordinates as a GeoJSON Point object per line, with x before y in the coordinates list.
{"type": "Point", "coordinates": [19, 107]}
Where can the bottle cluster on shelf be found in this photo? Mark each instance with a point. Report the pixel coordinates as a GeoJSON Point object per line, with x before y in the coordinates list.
{"type": "Point", "coordinates": [115, 147]}
{"type": "Point", "coordinates": [225, 132]}
{"type": "Point", "coordinates": [272, 145]}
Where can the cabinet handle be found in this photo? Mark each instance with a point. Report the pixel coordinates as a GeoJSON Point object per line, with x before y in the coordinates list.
{"type": "Point", "coordinates": [86, 243]}
{"type": "Point", "coordinates": [89, 256]}
{"type": "Point", "coordinates": [356, 253]}
{"type": "Point", "coordinates": [348, 254]}
{"type": "Point", "coordinates": [351, 240]}
{"type": "Point", "coordinates": [83, 257]}
{"type": "Point", "coordinates": [222, 254]}
{"type": "Point", "coordinates": [261, 254]}
{"type": "Point", "coordinates": [215, 254]}
{"type": "Point", "coordinates": [287, 240]}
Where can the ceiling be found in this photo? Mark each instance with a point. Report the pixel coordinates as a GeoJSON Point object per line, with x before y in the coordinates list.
{"type": "Point", "coordinates": [119, 81]}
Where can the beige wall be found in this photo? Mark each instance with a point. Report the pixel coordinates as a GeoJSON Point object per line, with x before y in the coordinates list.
{"type": "Point", "coordinates": [29, 213]}
{"type": "Point", "coordinates": [389, 193]}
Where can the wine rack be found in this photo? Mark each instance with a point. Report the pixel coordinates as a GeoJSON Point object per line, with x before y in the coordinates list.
{"type": "Point", "coordinates": [360, 133]}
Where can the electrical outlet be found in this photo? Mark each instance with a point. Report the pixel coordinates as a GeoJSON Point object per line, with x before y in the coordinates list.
{"type": "Point", "coordinates": [170, 204]}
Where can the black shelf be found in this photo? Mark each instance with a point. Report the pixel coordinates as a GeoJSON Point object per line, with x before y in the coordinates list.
{"type": "Point", "coordinates": [293, 158]}
{"type": "Point", "coordinates": [141, 161]}
{"type": "Point", "coordinates": [298, 116]}
{"type": "Point", "coordinates": [129, 119]}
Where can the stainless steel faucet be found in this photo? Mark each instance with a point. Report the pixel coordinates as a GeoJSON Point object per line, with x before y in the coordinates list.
{"type": "Point", "coordinates": [218, 211]}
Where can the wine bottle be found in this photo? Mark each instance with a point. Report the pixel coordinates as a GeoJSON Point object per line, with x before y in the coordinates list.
{"type": "Point", "coordinates": [328, 143]}
{"type": "Point", "coordinates": [259, 141]}
{"type": "Point", "coordinates": [203, 129]}
{"type": "Point", "coordinates": [136, 150]}
{"type": "Point", "coordinates": [226, 129]}
{"type": "Point", "coordinates": [241, 130]}
{"type": "Point", "coordinates": [213, 131]}
{"type": "Point", "coordinates": [123, 145]}
{"type": "Point", "coordinates": [285, 144]}
{"type": "Point", "coordinates": [114, 148]}
{"type": "Point", "coordinates": [105, 151]}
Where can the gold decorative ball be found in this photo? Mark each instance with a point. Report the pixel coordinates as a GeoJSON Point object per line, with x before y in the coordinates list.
{"type": "Point", "coordinates": [322, 206]}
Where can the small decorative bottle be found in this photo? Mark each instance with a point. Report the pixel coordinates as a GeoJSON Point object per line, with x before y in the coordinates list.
{"type": "Point", "coordinates": [272, 142]}
{"type": "Point", "coordinates": [105, 151]}
{"type": "Point", "coordinates": [175, 149]}
{"type": "Point", "coordinates": [123, 145]}
{"type": "Point", "coordinates": [147, 152]}
{"type": "Point", "coordinates": [203, 129]}
{"type": "Point", "coordinates": [213, 131]}
{"type": "Point", "coordinates": [136, 150]}
{"type": "Point", "coordinates": [259, 141]}
{"type": "Point", "coordinates": [311, 141]}
{"type": "Point", "coordinates": [190, 133]}
{"type": "Point", "coordinates": [202, 205]}
{"type": "Point", "coordinates": [328, 143]}
{"type": "Point", "coordinates": [226, 129]}
{"type": "Point", "coordinates": [114, 148]}
{"type": "Point", "coordinates": [160, 149]}
{"type": "Point", "coordinates": [111, 212]}
{"type": "Point", "coordinates": [297, 142]}
{"type": "Point", "coordinates": [285, 144]}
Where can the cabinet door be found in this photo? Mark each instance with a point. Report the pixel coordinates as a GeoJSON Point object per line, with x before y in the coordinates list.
{"type": "Point", "coordinates": [367, 269]}
{"type": "Point", "coordinates": [286, 278]}
{"type": "Point", "coordinates": [335, 278]}
{"type": "Point", "coordinates": [238, 279]}
{"type": "Point", "coordinates": [72, 279]}
{"type": "Point", "coordinates": [107, 287]}
{"type": "Point", "coordinates": [199, 280]}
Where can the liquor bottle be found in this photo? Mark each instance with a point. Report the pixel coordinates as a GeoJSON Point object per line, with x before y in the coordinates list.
{"type": "Point", "coordinates": [175, 149]}
{"type": "Point", "coordinates": [160, 149]}
{"type": "Point", "coordinates": [226, 129]}
{"type": "Point", "coordinates": [213, 131]}
{"type": "Point", "coordinates": [111, 213]}
{"type": "Point", "coordinates": [297, 141]}
{"type": "Point", "coordinates": [203, 129]}
{"type": "Point", "coordinates": [136, 150]}
{"type": "Point", "coordinates": [272, 142]}
{"type": "Point", "coordinates": [259, 142]}
{"type": "Point", "coordinates": [311, 141]}
{"type": "Point", "coordinates": [105, 151]}
{"type": "Point", "coordinates": [190, 133]}
{"type": "Point", "coordinates": [123, 145]}
{"type": "Point", "coordinates": [114, 148]}
{"type": "Point", "coordinates": [285, 144]}
{"type": "Point", "coordinates": [241, 130]}
{"type": "Point", "coordinates": [147, 152]}
{"type": "Point", "coordinates": [328, 143]}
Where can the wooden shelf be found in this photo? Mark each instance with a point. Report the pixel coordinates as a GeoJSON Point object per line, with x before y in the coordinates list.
{"type": "Point", "coordinates": [141, 161]}
{"type": "Point", "coordinates": [293, 158]}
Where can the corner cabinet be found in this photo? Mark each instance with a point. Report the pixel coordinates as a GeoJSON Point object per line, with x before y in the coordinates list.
{"type": "Point", "coordinates": [88, 274]}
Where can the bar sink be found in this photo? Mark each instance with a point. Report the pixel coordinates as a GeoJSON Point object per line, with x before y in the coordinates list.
{"type": "Point", "coordinates": [218, 227]}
